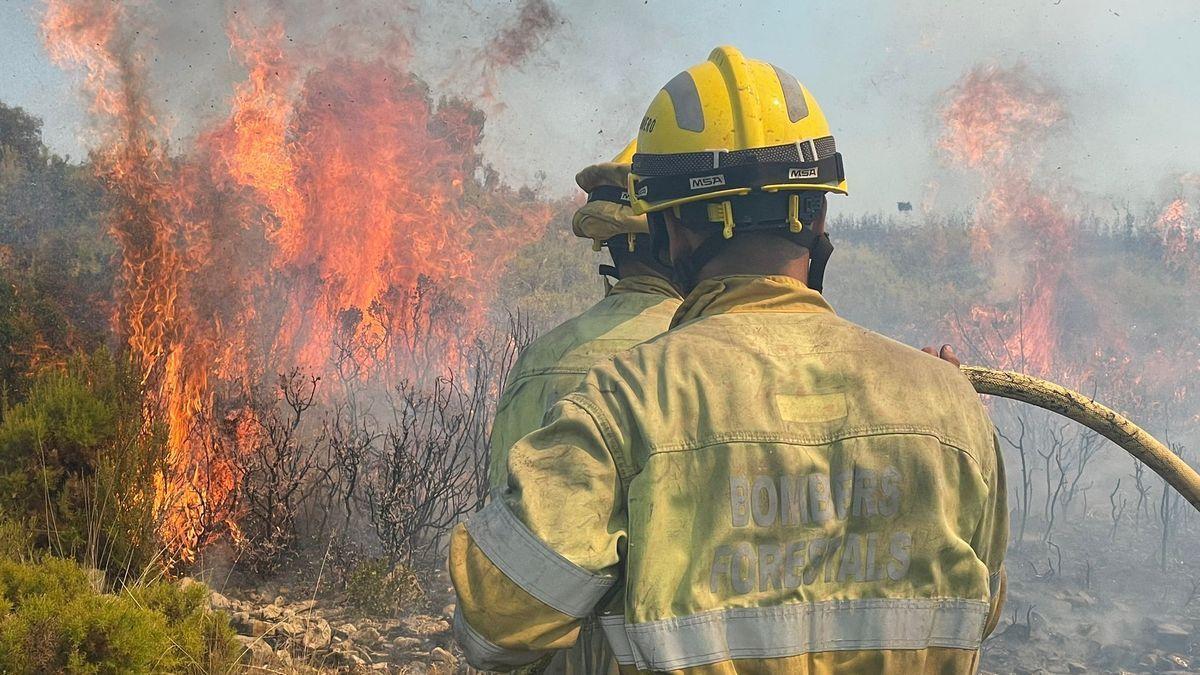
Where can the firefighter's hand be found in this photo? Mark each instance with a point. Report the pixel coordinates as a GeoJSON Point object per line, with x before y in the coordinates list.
{"type": "Point", "coordinates": [946, 353]}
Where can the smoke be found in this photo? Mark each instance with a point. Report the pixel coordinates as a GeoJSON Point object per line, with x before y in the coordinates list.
{"type": "Point", "coordinates": [513, 44]}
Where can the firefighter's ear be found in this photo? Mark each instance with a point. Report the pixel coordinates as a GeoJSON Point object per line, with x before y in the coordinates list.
{"type": "Point", "coordinates": [947, 354]}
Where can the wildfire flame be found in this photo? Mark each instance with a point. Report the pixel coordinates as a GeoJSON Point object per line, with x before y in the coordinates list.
{"type": "Point", "coordinates": [996, 124]}
{"type": "Point", "coordinates": [335, 202]}
{"type": "Point", "coordinates": [1180, 238]}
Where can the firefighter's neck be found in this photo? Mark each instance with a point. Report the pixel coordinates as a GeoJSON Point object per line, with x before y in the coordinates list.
{"type": "Point", "coordinates": [757, 253]}
{"type": "Point", "coordinates": [632, 267]}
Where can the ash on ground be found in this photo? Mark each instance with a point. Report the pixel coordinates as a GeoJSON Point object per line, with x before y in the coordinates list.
{"type": "Point", "coordinates": [1086, 601]}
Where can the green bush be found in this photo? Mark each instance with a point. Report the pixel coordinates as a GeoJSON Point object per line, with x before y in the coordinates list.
{"type": "Point", "coordinates": [56, 264]}
{"type": "Point", "coordinates": [201, 641]}
{"type": "Point", "coordinates": [78, 464]}
{"type": "Point", "coordinates": [375, 586]}
{"type": "Point", "coordinates": [53, 619]}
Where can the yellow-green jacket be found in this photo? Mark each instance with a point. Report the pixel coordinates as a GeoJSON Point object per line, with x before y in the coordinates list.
{"type": "Point", "coordinates": [634, 310]}
{"type": "Point", "coordinates": [764, 488]}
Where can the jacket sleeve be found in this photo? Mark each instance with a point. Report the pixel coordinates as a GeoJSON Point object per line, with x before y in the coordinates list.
{"type": "Point", "coordinates": [991, 540]}
{"type": "Point", "coordinates": [544, 551]}
{"type": "Point", "coordinates": [519, 411]}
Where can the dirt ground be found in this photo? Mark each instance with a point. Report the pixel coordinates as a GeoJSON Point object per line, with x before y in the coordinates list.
{"type": "Point", "coordinates": [1087, 602]}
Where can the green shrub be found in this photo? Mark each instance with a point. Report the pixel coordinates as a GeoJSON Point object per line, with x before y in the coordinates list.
{"type": "Point", "coordinates": [201, 641]}
{"type": "Point", "coordinates": [374, 586]}
{"type": "Point", "coordinates": [78, 464]}
{"type": "Point", "coordinates": [53, 619]}
{"type": "Point", "coordinates": [15, 542]}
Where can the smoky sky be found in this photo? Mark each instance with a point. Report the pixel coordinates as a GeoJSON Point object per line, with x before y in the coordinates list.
{"type": "Point", "coordinates": [1125, 72]}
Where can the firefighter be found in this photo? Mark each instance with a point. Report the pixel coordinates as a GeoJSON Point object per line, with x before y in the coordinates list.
{"type": "Point", "coordinates": [766, 487]}
{"type": "Point", "coordinates": [636, 308]}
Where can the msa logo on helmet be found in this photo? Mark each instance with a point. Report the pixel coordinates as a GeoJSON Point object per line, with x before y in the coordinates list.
{"type": "Point", "coordinates": [707, 181]}
{"type": "Point", "coordinates": [803, 173]}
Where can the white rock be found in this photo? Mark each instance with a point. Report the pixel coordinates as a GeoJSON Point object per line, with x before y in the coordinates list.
{"type": "Point", "coordinates": [403, 643]}
{"type": "Point", "coordinates": [318, 635]}
{"type": "Point", "coordinates": [218, 601]}
{"type": "Point", "coordinates": [367, 636]}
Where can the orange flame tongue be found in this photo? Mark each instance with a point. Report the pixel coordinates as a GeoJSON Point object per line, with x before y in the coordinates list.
{"type": "Point", "coordinates": [996, 124]}
{"type": "Point", "coordinates": [135, 170]}
{"type": "Point", "coordinates": [1180, 238]}
{"type": "Point", "coordinates": [334, 199]}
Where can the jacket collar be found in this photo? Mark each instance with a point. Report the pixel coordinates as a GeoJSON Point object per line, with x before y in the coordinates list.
{"type": "Point", "coordinates": [644, 283]}
{"type": "Point", "coordinates": [749, 293]}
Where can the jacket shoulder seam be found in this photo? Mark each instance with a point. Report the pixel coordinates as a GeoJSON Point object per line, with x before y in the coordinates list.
{"type": "Point", "coordinates": [552, 370]}
{"type": "Point", "coordinates": [624, 469]}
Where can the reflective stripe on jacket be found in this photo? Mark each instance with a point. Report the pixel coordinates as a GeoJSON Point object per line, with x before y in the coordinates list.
{"type": "Point", "coordinates": [766, 487]}
{"type": "Point", "coordinates": [636, 309]}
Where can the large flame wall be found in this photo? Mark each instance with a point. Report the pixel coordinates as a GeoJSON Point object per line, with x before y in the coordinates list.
{"type": "Point", "coordinates": [335, 204]}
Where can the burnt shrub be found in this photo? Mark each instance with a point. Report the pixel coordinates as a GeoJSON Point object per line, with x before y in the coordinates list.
{"type": "Point", "coordinates": [378, 587]}
{"type": "Point", "coordinates": [277, 474]}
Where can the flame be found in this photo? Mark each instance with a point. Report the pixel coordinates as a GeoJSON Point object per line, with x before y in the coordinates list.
{"type": "Point", "coordinates": [134, 168]}
{"type": "Point", "coordinates": [1177, 227]}
{"type": "Point", "coordinates": [334, 205]}
{"type": "Point", "coordinates": [996, 124]}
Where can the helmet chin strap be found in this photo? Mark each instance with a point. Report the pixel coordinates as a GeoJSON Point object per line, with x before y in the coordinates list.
{"type": "Point", "coordinates": [686, 270]}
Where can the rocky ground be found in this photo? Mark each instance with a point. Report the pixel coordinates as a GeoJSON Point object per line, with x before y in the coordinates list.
{"type": "Point", "coordinates": [1087, 603]}
{"type": "Point", "coordinates": [288, 629]}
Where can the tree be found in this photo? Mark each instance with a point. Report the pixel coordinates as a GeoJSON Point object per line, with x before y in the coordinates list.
{"type": "Point", "coordinates": [20, 140]}
{"type": "Point", "coordinates": [55, 259]}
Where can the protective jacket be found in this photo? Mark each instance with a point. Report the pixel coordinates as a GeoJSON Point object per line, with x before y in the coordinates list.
{"type": "Point", "coordinates": [634, 310]}
{"type": "Point", "coordinates": [764, 488]}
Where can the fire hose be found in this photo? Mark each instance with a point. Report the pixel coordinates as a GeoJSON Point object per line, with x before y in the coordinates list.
{"type": "Point", "coordinates": [1095, 416]}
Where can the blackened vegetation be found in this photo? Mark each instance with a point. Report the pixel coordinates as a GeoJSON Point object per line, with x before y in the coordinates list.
{"type": "Point", "coordinates": [278, 474]}
{"type": "Point", "coordinates": [433, 470]}
{"type": "Point", "coordinates": [363, 476]}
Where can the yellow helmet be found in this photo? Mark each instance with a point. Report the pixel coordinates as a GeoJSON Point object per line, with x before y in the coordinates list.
{"type": "Point", "coordinates": [736, 143]}
{"type": "Point", "coordinates": [607, 212]}
{"type": "Point", "coordinates": [729, 127]}
{"type": "Point", "coordinates": [608, 219]}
